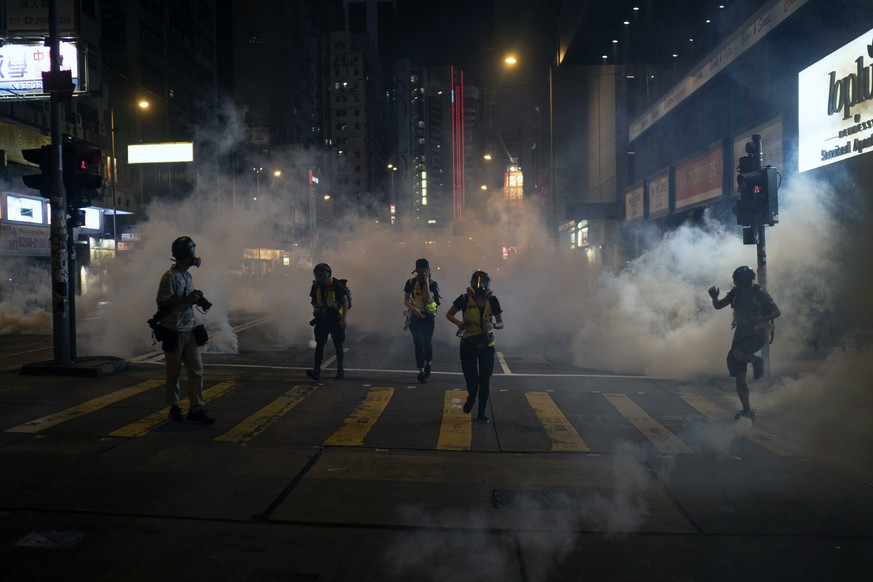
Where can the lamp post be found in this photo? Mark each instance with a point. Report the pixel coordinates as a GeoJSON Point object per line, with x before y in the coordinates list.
{"type": "Point", "coordinates": [551, 222]}
{"type": "Point", "coordinates": [393, 169]}
{"type": "Point", "coordinates": [142, 104]}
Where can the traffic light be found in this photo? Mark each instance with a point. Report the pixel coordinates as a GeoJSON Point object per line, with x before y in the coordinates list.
{"type": "Point", "coordinates": [82, 178]}
{"type": "Point", "coordinates": [41, 157]}
{"type": "Point", "coordinates": [759, 201]}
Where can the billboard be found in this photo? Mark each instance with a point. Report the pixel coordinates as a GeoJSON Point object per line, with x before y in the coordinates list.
{"type": "Point", "coordinates": [22, 66]}
{"type": "Point", "coordinates": [835, 106]}
{"type": "Point", "coordinates": [701, 179]}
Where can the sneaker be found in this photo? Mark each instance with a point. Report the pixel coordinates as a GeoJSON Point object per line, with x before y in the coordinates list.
{"type": "Point", "coordinates": [340, 374]}
{"type": "Point", "coordinates": [421, 377]}
{"type": "Point", "coordinates": [468, 405]}
{"type": "Point", "coordinates": [482, 418]}
{"type": "Point", "coordinates": [427, 370]}
{"type": "Point", "coordinates": [747, 412]}
{"type": "Point", "coordinates": [758, 367]}
{"type": "Point", "coordinates": [176, 414]}
{"type": "Point", "coordinates": [200, 416]}
{"type": "Point", "coordinates": [314, 375]}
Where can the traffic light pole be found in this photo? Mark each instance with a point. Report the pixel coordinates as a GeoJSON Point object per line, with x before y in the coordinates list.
{"type": "Point", "coordinates": [762, 281]}
{"type": "Point", "coordinates": [57, 199]}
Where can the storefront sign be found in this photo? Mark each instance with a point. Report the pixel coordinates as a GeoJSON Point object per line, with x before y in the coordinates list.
{"type": "Point", "coordinates": [634, 208]}
{"type": "Point", "coordinates": [24, 240]}
{"type": "Point", "coordinates": [659, 194]}
{"type": "Point", "coordinates": [835, 106]}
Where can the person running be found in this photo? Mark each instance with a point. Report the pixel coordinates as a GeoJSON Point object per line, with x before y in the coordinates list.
{"type": "Point", "coordinates": [421, 298]}
{"type": "Point", "coordinates": [754, 309]}
{"type": "Point", "coordinates": [479, 307]}
{"type": "Point", "coordinates": [329, 308]}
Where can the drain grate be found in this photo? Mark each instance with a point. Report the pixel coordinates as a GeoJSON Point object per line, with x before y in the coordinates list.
{"type": "Point", "coordinates": [540, 499]}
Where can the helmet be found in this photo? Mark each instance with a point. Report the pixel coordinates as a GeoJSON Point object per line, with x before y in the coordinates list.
{"type": "Point", "coordinates": [324, 267]}
{"type": "Point", "coordinates": [744, 275]}
{"type": "Point", "coordinates": [183, 247]}
{"type": "Point", "coordinates": [421, 264]}
{"type": "Point", "coordinates": [480, 282]}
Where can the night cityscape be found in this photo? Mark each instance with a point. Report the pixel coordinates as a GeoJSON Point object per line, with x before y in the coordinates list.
{"type": "Point", "coordinates": [274, 173]}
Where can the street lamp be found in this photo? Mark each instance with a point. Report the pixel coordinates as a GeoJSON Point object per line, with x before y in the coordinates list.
{"type": "Point", "coordinates": [257, 171]}
{"type": "Point", "coordinates": [142, 104]}
{"type": "Point", "coordinates": [552, 226]}
{"type": "Point", "coordinates": [393, 169]}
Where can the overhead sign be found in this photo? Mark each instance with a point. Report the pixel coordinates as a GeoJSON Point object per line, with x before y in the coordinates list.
{"type": "Point", "coordinates": [835, 106]}
{"type": "Point", "coordinates": [156, 153]}
{"type": "Point", "coordinates": [22, 66]}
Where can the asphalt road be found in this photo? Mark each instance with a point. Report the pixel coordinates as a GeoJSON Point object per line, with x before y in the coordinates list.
{"type": "Point", "coordinates": [582, 475]}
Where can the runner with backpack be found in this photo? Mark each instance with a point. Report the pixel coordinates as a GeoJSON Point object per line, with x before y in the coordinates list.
{"type": "Point", "coordinates": [331, 300]}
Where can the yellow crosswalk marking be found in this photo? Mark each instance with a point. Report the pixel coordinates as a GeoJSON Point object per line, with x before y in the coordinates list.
{"type": "Point", "coordinates": [753, 433]}
{"type": "Point", "coordinates": [562, 434]}
{"type": "Point", "coordinates": [141, 428]}
{"type": "Point", "coordinates": [262, 419]}
{"type": "Point", "coordinates": [653, 430]}
{"type": "Point", "coordinates": [355, 427]}
{"type": "Point", "coordinates": [456, 433]}
{"type": "Point", "coordinates": [45, 422]}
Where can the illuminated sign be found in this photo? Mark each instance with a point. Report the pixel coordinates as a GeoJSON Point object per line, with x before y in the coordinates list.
{"type": "Point", "coordinates": [22, 66]}
{"type": "Point", "coordinates": [835, 106]}
{"type": "Point", "coordinates": [156, 153]}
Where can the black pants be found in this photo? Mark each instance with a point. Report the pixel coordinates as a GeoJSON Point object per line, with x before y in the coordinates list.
{"type": "Point", "coordinates": [478, 365]}
{"type": "Point", "coordinates": [324, 326]}
{"type": "Point", "coordinates": [422, 336]}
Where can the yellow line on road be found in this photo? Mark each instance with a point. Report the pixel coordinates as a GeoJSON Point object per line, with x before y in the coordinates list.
{"type": "Point", "coordinates": [90, 406]}
{"type": "Point", "coordinates": [653, 430]}
{"type": "Point", "coordinates": [456, 433]}
{"type": "Point", "coordinates": [355, 427]}
{"type": "Point", "coordinates": [753, 433]}
{"type": "Point", "coordinates": [142, 427]}
{"type": "Point", "coordinates": [262, 419]}
{"type": "Point", "coordinates": [562, 434]}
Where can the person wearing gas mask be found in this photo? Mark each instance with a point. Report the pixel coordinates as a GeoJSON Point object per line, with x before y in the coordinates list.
{"type": "Point", "coordinates": [329, 309]}
{"type": "Point", "coordinates": [481, 315]}
{"type": "Point", "coordinates": [176, 299]}
{"type": "Point", "coordinates": [754, 310]}
{"type": "Point", "coordinates": [421, 298]}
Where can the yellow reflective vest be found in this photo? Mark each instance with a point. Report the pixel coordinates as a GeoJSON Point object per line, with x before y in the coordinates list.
{"type": "Point", "coordinates": [417, 298]}
{"type": "Point", "coordinates": [475, 319]}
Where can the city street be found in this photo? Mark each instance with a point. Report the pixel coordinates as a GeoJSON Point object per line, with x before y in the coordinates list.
{"type": "Point", "coordinates": [581, 475]}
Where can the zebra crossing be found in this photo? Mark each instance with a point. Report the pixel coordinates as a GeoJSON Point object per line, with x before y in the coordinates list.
{"type": "Point", "coordinates": [562, 429]}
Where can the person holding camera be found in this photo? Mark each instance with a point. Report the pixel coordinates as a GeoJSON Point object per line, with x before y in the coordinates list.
{"type": "Point", "coordinates": [182, 337]}
{"type": "Point", "coordinates": [330, 305]}
{"type": "Point", "coordinates": [481, 315]}
{"type": "Point", "coordinates": [421, 298]}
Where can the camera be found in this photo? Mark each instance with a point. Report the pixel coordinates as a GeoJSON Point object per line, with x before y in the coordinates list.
{"type": "Point", "coordinates": [202, 302]}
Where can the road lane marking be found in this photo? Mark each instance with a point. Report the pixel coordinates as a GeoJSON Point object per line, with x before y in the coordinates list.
{"type": "Point", "coordinates": [262, 419]}
{"type": "Point", "coordinates": [503, 364]}
{"type": "Point", "coordinates": [653, 430]}
{"type": "Point", "coordinates": [90, 406]}
{"type": "Point", "coordinates": [142, 427]}
{"type": "Point", "coordinates": [330, 360]}
{"type": "Point", "coordinates": [456, 432]}
{"type": "Point", "coordinates": [562, 434]}
{"type": "Point", "coordinates": [753, 433]}
{"type": "Point", "coordinates": [356, 427]}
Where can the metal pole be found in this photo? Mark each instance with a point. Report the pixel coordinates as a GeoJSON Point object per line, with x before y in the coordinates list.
{"type": "Point", "coordinates": [553, 227]}
{"type": "Point", "coordinates": [762, 281]}
{"type": "Point", "coordinates": [114, 179]}
{"type": "Point", "coordinates": [58, 201]}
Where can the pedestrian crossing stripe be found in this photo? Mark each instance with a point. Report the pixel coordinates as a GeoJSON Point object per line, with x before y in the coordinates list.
{"type": "Point", "coordinates": [142, 427]}
{"type": "Point", "coordinates": [356, 427]}
{"type": "Point", "coordinates": [456, 433]}
{"type": "Point", "coordinates": [753, 433]}
{"type": "Point", "coordinates": [560, 431]}
{"type": "Point", "coordinates": [266, 416]}
{"type": "Point", "coordinates": [658, 434]}
{"type": "Point", "coordinates": [40, 424]}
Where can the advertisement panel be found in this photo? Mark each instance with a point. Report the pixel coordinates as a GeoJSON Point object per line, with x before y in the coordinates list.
{"type": "Point", "coordinates": [659, 194]}
{"type": "Point", "coordinates": [835, 106]}
{"type": "Point", "coordinates": [22, 66]}
{"type": "Point", "coordinates": [25, 240]}
{"type": "Point", "coordinates": [700, 179]}
{"type": "Point", "coordinates": [633, 200]}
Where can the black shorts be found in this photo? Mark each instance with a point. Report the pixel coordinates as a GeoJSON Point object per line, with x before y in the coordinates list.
{"type": "Point", "coordinates": [748, 345]}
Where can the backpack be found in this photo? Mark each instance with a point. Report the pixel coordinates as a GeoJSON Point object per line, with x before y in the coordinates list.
{"type": "Point", "coordinates": [344, 284]}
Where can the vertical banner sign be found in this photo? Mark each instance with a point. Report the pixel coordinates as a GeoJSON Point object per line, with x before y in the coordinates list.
{"type": "Point", "coordinates": [659, 194]}
{"type": "Point", "coordinates": [634, 208]}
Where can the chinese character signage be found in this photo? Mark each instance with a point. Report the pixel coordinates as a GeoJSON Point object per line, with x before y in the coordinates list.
{"type": "Point", "coordinates": [22, 66]}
